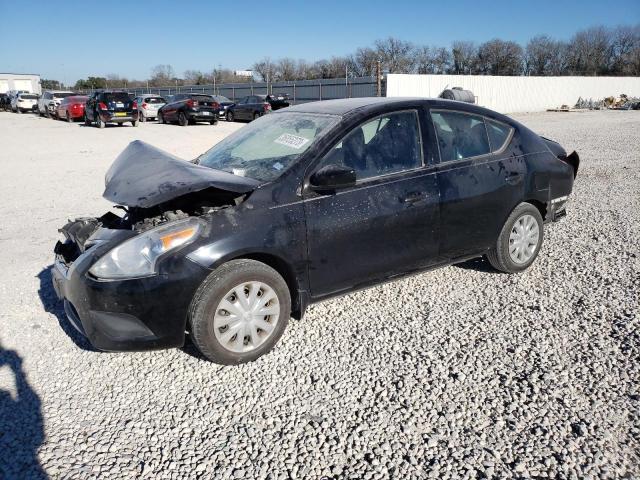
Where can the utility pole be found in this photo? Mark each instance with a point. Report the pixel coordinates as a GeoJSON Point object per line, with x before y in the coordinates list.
{"type": "Point", "coordinates": [378, 79]}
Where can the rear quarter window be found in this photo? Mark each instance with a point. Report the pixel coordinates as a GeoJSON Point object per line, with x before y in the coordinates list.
{"type": "Point", "coordinates": [460, 135]}
{"type": "Point", "coordinates": [499, 134]}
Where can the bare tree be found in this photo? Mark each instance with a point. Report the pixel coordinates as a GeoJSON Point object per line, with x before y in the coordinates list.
{"type": "Point", "coordinates": [285, 69]}
{"type": "Point", "coordinates": [625, 50]}
{"type": "Point", "coordinates": [497, 57]}
{"type": "Point", "coordinates": [396, 55]}
{"type": "Point", "coordinates": [162, 75]}
{"type": "Point", "coordinates": [363, 62]}
{"type": "Point", "coordinates": [463, 57]}
{"type": "Point", "coordinates": [591, 51]}
{"type": "Point", "coordinates": [264, 68]}
{"type": "Point", "coordinates": [195, 77]}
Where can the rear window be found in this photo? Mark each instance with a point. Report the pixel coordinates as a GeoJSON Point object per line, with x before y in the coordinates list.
{"type": "Point", "coordinates": [220, 98]}
{"type": "Point", "coordinates": [202, 98]}
{"type": "Point", "coordinates": [116, 97]}
{"type": "Point", "coordinates": [29, 97]}
{"type": "Point", "coordinates": [155, 100]}
{"type": "Point", "coordinates": [460, 135]}
{"type": "Point", "coordinates": [63, 95]}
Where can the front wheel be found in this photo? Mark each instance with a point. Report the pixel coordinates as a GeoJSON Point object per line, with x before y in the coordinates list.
{"type": "Point", "coordinates": [182, 119]}
{"type": "Point", "coordinates": [239, 312]}
{"type": "Point", "coordinates": [230, 117]}
{"type": "Point", "coordinates": [161, 118]}
{"type": "Point", "coordinates": [519, 241]}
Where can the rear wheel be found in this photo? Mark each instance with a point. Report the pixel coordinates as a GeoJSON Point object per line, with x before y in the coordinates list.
{"type": "Point", "coordinates": [239, 312]}
{"type": "Point", "coordinates": [182, 119]}
{"type": "Point", "coordinates": [230, 117]}
{"type": "Point", "coordinates": [161, 118]}
{"type": "Point", "coordinates": [87, 122]}
{"type": "Point", "coordinates": [519, 241]}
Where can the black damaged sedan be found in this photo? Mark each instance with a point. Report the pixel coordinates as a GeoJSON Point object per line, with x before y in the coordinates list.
{"type": "Point", "coordinates": [310, 202]}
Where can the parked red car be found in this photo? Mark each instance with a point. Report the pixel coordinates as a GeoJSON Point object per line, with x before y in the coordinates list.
{"type": "Point", "coordinates": [72, 108]}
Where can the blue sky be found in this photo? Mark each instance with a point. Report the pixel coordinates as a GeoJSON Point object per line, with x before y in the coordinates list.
{"type": "Point", "coordinates": [67, 40]}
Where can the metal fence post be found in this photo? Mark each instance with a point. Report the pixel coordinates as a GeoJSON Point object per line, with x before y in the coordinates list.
{"type": "Point", "coordinates": [320, 91]}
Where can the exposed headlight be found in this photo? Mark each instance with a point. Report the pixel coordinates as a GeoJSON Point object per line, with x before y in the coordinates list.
{"type": "Point", "coordinates": [137, 256]}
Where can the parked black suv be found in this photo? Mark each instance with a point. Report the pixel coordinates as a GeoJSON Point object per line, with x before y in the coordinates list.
{"type": "Point", "coordinates": [110, 107]}
{"type": "Point", "coordinates": [189, 108]}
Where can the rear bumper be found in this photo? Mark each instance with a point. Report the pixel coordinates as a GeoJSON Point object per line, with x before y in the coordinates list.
{"type": "Point", "coordinates": [127, 315]}
{"type": "Point", "coordinates": [201, 116]}
{"type": "Point", "coordinates": [111, 117]}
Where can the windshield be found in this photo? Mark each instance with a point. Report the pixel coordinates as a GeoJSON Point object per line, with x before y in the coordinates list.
{"type": "Point", "coordinates": [266, 147]}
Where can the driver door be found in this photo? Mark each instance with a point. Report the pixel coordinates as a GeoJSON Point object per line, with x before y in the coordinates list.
{"type": "Point", "coordinates": [384, 225]}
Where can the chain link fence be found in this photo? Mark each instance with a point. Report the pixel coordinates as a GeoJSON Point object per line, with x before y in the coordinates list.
{"type": "Point", "coordinates": [299, 91]}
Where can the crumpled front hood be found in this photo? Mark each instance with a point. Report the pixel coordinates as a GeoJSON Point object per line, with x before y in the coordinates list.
{"type": "Point", "coordinates": [145, 176]}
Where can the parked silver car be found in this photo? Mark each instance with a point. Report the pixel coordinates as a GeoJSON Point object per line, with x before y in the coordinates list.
{"type": "Point", "coordinates": [148, 106]}
{"type": "Point", "coordinates": [50, 100]}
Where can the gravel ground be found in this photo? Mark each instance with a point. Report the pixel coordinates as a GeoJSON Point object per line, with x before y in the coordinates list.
{"type": "Point", "coordinates": [455, 373]}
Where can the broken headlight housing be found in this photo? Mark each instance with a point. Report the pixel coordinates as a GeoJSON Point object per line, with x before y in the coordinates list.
{"type": "Point", "coordinates": [137, 256]}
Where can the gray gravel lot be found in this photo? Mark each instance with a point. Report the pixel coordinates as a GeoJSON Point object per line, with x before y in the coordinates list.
{"type": "Point", "coordinates": [455, 373]}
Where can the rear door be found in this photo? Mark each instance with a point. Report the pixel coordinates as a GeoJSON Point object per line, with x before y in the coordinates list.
{"type": "Point", "coordinates": [386, 224]}
{"type": "Point", "coordinates": [480, 180]}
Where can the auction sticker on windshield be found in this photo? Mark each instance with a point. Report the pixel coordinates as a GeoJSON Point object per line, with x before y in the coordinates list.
{"type": "Point", "coordinates": [293, 141]}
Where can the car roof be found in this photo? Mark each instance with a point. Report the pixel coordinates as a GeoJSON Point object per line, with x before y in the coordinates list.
{"type": "Point", "coordinates": [60, 91]}
{"type": "Point", "coordinates": [363, 105]}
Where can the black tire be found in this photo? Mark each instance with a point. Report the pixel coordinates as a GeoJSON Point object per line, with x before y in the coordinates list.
{"type": "Point", "coordinates": [135, 123]}
{"type": "Point", "coordinates": [141, 117]}
{"type": "Point", "coordinates": [69, 119]}
{"type": "Point", "coordinates": [499, 256]}
{"type": "Point", "coordinates": [87, 122]}
{"type": "Point", "coordinates": [161, 118]}
{"type": "Point", "coordinates": [40, 113]}
{"type": "Point", "coordinates": [256, 115]}
{"type": "Point", "coordinates": [99, 122]}
{"type": "Point", "coordinates": [230, 117]}
{"type": "Point", "coordinates": [18, 110]}
{"type": "Point", "coordinates": [182, 119]}
{"type": "Point", "coordinates": [213, 122]}
{"type": "Point", "coordinates": [211, 292]}
{"type": "Point", "coordinates": [120, 124]}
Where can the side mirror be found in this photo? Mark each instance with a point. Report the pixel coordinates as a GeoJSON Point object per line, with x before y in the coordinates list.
{"type": "Point", "coordinates": [332, 177]}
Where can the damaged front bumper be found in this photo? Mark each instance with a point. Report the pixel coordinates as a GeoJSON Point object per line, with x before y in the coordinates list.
{"type": "Point", "coordinates": [131, 314]}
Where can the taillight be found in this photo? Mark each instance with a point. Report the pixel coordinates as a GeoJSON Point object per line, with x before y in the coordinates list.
{"type": "Point", "coordinates": [267, 106]}
{"type": "Point", "coordinates": [192, 103]}
{"type": "Point", "coordinates": [215, 105]}
{"type": "Point", "coordinates": [102, 106]}
{"type": "Point", "coordinates": [144, 105]}
{"type": "Point", "coordinates": [135, 105]}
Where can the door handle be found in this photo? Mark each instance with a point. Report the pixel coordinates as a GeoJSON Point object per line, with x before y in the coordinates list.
{"type": "Point", "coordinates": [414, 197]}
{"type": "Point", "coordinates": [514, 178]}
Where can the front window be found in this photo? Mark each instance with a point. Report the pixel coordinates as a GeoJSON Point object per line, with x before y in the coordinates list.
{"type": "Point", "coordinates": [388, 144]}
{"type": "Point", "coordinates": [265, 148]}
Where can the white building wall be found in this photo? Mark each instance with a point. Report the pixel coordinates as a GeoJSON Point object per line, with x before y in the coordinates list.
{"type": "Point", "coordinates": [17, 81]}
{"type": "Point", "coordinates": [515, 94]}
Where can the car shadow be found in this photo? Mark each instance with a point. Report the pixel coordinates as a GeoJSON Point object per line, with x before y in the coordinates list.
{"type": "Point", "coordinates": [480, 264]}
{"type": "Point", "coordinates": [21, 423]}
{"type": "Point", "coordinates": [190, 349]}
{"type": "Point", "coordinates": [52, 304]}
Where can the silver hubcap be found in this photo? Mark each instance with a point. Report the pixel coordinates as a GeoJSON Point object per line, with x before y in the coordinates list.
{"type": "Point", "coordinates": [246, 316]}
{"type": "Point", "coordinates": [523, 239]}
